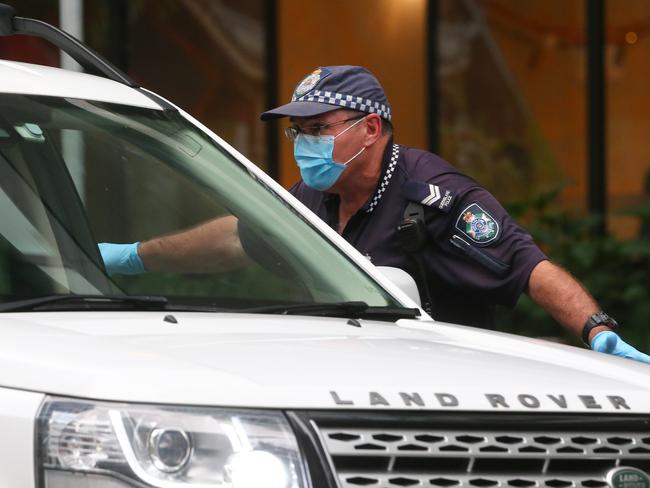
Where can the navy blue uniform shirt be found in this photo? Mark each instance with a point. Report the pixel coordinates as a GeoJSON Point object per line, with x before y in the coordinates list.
{"type": "Point", "coordinates": [475, 255]}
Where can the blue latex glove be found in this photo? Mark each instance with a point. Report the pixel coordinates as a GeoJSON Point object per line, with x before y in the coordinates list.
{"type": "Point", "coordinates": [121, 258]}
{"type": "Point", "coordinates": [610, 343]}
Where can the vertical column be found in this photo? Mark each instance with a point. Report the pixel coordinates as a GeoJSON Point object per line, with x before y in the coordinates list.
{"type": "Point", "coordinates": [72, 144]}
{"type": "Point", "coordinates": [71, 15]}
{"type": "Point", "coordinates": [433, 94]}
{"type": "Point", "coordinates": [271, 61]}
{"type": "Point", "coordinates": [596, 133]}
{"type": "Point", "coordinates": [118, 34]}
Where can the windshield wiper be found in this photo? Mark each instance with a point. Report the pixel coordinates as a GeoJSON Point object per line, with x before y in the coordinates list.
{"type": "Point", "coordinates": [88, 302]}
{"type": "Point", "coordinates": [353, 310]}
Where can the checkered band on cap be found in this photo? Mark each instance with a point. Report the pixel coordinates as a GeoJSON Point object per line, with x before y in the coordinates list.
{"type": "Point", "coordinates": [346, 101]}
{"type": "Point", "coordinates": [386, 180]}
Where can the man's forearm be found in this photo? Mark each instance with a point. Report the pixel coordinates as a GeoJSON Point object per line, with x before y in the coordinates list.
{"type": "Point", "coordinates": [562, 296]}
{"type": "Point", "coordinates": [212, 246]}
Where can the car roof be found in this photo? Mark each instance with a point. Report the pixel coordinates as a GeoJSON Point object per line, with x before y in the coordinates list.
{"type": "Point", "coordinates": [33, 79]}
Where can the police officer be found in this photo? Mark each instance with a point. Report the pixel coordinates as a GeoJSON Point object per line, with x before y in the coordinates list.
{"type": "Point", "coordinates": [402, 207]}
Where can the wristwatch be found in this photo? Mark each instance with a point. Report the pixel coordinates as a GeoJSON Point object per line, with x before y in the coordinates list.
{"type": "Point", "coordinates": [596, 320]}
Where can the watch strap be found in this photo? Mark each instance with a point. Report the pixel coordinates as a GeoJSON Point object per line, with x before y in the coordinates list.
{"type": "Point", "coordinates": [597, 320]}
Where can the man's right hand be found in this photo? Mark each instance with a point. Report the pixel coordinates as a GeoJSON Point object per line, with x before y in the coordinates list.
{"type": "Point", "coordinates": [121, 258]}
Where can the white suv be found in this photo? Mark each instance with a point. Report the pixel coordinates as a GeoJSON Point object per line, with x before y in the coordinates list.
{"type": "Point", "coordinates": [305, 368]}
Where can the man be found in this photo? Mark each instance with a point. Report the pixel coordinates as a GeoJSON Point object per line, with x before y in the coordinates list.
{"type": "Point", "coordinates": [472, 255]}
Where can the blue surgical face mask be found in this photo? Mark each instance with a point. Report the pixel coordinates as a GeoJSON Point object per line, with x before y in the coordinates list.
{"type": "Point", "coordinates": [314, 157]}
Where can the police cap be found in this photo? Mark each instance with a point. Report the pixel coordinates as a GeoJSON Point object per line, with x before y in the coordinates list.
{"type": "Point", "coordinates": [330, 88]}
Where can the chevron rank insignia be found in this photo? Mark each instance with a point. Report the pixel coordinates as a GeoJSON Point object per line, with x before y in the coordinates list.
{"type": "Point", "coordinates": [428, 194]}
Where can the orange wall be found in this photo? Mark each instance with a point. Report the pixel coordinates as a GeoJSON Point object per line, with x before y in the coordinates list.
{"type": "Point", "coordinates": [549, 66]}
{"type": "Point", "coordinates": [545, 50]}
{"type": "Point", "coordinates": [628, 121]}
{"type": "Point", "coordinates": [386, 36]}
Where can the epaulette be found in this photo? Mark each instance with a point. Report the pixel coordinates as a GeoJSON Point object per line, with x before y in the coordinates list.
{"type": "Point", "coordinates": [428, 194]}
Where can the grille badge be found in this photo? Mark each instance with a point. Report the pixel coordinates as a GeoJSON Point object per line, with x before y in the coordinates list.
{"type": "Point", "coordinates": [624, 477]}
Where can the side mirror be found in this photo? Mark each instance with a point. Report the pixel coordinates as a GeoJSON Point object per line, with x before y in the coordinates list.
{"type": "Point", "coordinates": [403, 280]}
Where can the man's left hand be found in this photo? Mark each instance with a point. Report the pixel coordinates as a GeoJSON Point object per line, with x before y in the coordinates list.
{"type": "Point", "coordinates": [610, 343]}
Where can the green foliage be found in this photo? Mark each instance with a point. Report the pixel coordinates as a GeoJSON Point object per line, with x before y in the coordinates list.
{"type": "Point", "coordinates": [615, 271]}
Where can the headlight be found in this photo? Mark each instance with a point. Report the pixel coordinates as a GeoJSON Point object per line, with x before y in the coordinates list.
{"type": "Point", "coordinates": [119, 445]}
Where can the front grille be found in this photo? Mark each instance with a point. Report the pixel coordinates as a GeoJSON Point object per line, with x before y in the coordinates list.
{"type": "Point", "coordinates": [469, 457]}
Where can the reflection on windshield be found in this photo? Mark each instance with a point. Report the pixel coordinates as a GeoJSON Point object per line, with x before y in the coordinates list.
{"type": "Point", "coordinates": [35, 244]}
{"type": "Point", "coordinates": [75, 173]}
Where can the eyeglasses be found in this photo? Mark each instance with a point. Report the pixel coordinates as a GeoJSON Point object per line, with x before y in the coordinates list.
{"type": "Point", "coordinates": [314, 130]}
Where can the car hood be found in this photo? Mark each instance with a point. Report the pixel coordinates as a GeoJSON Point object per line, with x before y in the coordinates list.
{"type": "Point", "coordinates": [308, 362]}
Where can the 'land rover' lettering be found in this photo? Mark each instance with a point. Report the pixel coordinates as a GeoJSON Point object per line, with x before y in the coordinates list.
{"type": "Point", "coordinates": [559, 400]}
{"type": "Point", "coordinates": [589, 401]}
{"type": "Point", "coordinates": [627, 477]}
{"type": "Point", "coordinates": [447, 400]}
{"type": "Point", "coordinates": [496, 400]}
{"type": "Point", "coordinates": [528, 401]}
{"type": "Point", "coordinates": [411, 398]}
{"type": "Point", "coordinates": [418, 399]}
{"type": "Point", "coordinates": [377, 399]}
{"type": "Point", "coordinates": [338, 400]}
{"type": "Point", "coordinates": [618, 402]}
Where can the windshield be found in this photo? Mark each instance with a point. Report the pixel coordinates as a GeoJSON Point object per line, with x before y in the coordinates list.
{"type": "Point", "coordinates": [75, 173]}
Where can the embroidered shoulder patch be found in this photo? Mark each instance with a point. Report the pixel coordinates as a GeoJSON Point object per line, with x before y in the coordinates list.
{"type": "Point", "coordinates": [477, 224]}
{"type": "Point", "coordinates": [428, 194]}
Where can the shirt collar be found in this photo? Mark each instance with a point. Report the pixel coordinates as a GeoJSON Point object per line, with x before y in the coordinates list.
{"type": "Point", "coordinates": [388, 165]}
